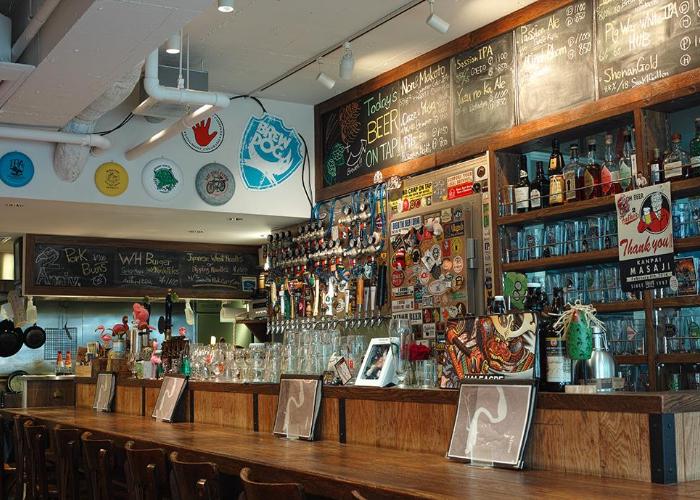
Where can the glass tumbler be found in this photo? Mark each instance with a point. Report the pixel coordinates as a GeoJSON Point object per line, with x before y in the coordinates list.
{"type": "Point", "coordinates": [401, 330]}
{"type": "Point", "coordinates": [257, 361]}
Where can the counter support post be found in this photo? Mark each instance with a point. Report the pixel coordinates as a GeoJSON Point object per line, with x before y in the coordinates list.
{"type": "Point", "coordinates": [662, 441]}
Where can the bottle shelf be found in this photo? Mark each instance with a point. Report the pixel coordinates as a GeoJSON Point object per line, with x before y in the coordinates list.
{"type": "Point", "coordinates": [631, 359]}
{"type": "Point", "coordinates": [686, 244]}
{"type": "Point", "coordinates": [680, 301]}
{"type": "Point", "coordinates": [679, 357]}
{"type": "Point", "coordinates": [572, 260]}
{"type": "Point", "coordinates": [574, 209]}
{"type": "Point", "coordinates": [685, 187]}
{"type": "Point", "coordinates": [619, 306]}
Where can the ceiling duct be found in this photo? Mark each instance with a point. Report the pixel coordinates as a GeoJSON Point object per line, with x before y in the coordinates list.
{"type": "Point", "coordinates": [168, 76]}
{"type": "Point", "coordinates": [70, 159]}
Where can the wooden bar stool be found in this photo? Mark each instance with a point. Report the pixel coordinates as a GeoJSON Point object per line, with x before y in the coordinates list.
{"type": "Point", "coordinates": [21, 458]}
{"type": "Point", "coordinates": [98, 460]}
{"type": "Point", "coordinates": [37, 442]}
{"type": "Point", "coordinates": [146, 473]}
{"type": "Point", "coordinates": [256, 490]}
{"type": "Point", "coordinates": [8, 474]}
{"type": "Point", "coordinates": [67, 447]}
{"type": "Point", "coordinates": [193, 479]}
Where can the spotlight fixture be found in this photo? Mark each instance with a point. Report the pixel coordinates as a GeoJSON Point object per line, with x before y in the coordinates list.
{"type": "Point", "coordinates": [435, 21]}
{"type": "Point", "coordinates": [347, 62]}
{"type": "Point", "coordinates": [173, 44]}
{"type": "Point", "coordinates": [323, 78]}
{"type": "Point", "coordinates": [225, 6]}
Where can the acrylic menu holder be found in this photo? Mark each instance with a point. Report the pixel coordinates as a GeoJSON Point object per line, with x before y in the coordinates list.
{"type": "Point", "coordinates": [168, 407]}
{"type": "Point", "coordinates": [298, 406]}
{"type": "Point", "coordinates": [104, 391]}
{"type": "Point", "coordinates": [378, 367]}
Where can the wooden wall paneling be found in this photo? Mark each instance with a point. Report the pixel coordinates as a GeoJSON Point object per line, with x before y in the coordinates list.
{"type": "Point", "coordinates": [581, 442]}
{"type": "Point", "coordinates": [546, 441]}
{"type": "Point", "coordinates": [84, 395]}
{"type": "Point", "coordinates": [688, 446]}
{"type": "Point", "coordinates": [267, 410]}
{"type": "Point", "coordinates": [229, 409]}
{"type": "Point", "coordinates": [422, 427]}
{"type": "Point", "coordinates": [328, 420]}
{"type": "Point", "coordinates": [151, 396]}
{"type": "Point", "coordinates": [624, 445]}
{"type": "Point", "coordinates": [128, 400]}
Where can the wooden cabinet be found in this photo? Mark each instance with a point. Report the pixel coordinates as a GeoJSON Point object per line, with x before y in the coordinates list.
{"type": "Point", "coordinates": [47, 390]}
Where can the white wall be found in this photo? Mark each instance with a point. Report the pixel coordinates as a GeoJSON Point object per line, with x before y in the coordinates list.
{"type": "Point", "coordinates": [287, 199]}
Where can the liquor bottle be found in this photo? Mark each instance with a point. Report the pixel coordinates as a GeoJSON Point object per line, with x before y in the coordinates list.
{"type": "Point", "coordinates": [539, 188]}
{"type": "Point", "coordinates": [591, 178]}
{"type": "Point", "coordinates": [573, 176]}
{"type": "Point", "coordinates": [609, 172]}
{"type": "Point", "coordinates": [522, 188]}
{"type": "Point", "coordinates": [626, 165]}
{"type": "Point", "coordinates": [556, 365]}
{"type": "Point", "coordinates": [68, 366]}
{"type": "Point", "coordinates": [59, 363]}
{"type": "Point", "coordinates": [676, 162]}
{"type": "Point", "coordinates": [657, 174]}
{"type": "Point", "coordinates": [695, 151]}
{"type": "Point", "coordinates": [557, 187]}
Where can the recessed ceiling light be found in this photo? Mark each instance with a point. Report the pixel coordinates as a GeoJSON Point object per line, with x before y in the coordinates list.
{"type": "Point", "coordinates": [225, 6]}
{"type": "Point", "coordinates": [195, 231]}
{"type": "Point", "coordinates": [235, 219]}
{"type": "Point", "coordinates": [173, 44]}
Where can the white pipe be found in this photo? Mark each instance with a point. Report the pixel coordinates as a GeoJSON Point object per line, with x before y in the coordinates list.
{"type": "Point", "coordinates": [173, 130]}
{"type": "Point", "coordinates": [41, 16]}
{"type": "Point", "coordinates": [98, 142]}
{"type": "Point", "coordinates": [178, 96]}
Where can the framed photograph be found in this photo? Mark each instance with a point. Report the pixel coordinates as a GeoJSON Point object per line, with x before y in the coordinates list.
{"type": "Point", "coordinates": [343, 371]}
{"type": "Point", "coordinates": [378, 367]}
{"type": "Point", "coordinates": [104, 391]}
{"type": "Point", "coordinates": [168, 398]}
{"type": "Point", "coordinates": [298, 406]}
{"type": "Point", "coordinates": [249, 283]}
{"type": "Point", "coordinates": [492, 424]}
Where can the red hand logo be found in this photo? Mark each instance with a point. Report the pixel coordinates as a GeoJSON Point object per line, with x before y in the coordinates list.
{"type": "Point", "coordinates": [201, 133]}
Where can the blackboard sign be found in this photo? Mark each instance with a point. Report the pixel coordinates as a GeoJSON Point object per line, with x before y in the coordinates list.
{"type": "Point", "coordinates": [425, 111]}
{"type": "Point", "coordinates": [639, 42]}
{"type": "Point", "coordinates": [93, 266]}
{"type": "Point", "coordinates": [482, 89]}
{"type": "Point", "coordinates": [555, 61]}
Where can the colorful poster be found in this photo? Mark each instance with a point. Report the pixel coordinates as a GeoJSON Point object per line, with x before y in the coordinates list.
{"type": "Point", "coordinates": [645, 235]}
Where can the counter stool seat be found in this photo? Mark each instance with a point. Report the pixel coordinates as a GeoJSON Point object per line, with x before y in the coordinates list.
{"type": "Point", "coordinates": [68, 462]}
{"type": "Point", "coordinates": [258, 490]}
{"type": "Point", "coordinates": [99, 463]}
{"type": "Point", "coordinates": [190, 480]}
{"type": "Point", "coordinates": [146, 473]}
{"type": "Point", "coordinates": [37, 441]}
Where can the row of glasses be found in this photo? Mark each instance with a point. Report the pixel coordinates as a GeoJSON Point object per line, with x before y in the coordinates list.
{"type": "Point", "coordinates": [678, 331]}
{"type": "Point", "coordinates": [555, 239]}
{"type": "Point", "coordinates": [309, 351]}
{"type": "Point", "coordinates": [589, 284]}
{"type": "Point", "coordinates": [626, 334]}
{"type": "Point", "coordinates": [260, 362]}
{"type": "Point", "coordinates": [686, 217]}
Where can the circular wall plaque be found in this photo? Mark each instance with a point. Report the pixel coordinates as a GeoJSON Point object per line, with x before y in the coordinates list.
{"type": "Point", "coordinates": [162, 179]}
{"type": "Point", "coordinates": [215, 184]}
{"type": "Point", "coordinates": [111, 179]}
{"type": "Point", "coordinates": [16, 169]}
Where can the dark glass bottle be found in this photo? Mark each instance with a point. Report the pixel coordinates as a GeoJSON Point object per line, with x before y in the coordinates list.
{"type": "Point", "coordinates": [592, 175]}
{"type": "Point", "coordinates": [555, 364]}
{"type": "Point", "coordinates": [557, 186]}
{"type": "Point", "coordinates": [655, 167]}
{"type": "Point", "coordinates": [522, 188]}
{"type": "Point", "coordinates": [539, 189]}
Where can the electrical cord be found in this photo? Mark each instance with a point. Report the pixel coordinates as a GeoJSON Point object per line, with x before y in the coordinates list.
{"type": "Point", "coordinates": [249, 97]}
{"type": "Point", "coordinates": [123, 122]}
{"type": "Point", "coordinates": [303, 167]}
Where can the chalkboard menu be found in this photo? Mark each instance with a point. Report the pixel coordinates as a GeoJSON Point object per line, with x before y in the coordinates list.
{"type": "Point", "coordinates": [555, 61]}
{"type": "Point", "coordinates": [639, 42]}
{"type": "Point", "coordinates": [482, 89]}
{"type": "Point", "coordinates": [93, 266]}
{"type": "Point", "coordinates": [424, 106]}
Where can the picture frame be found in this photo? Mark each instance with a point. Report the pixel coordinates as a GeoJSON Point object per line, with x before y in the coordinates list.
{"type": "Point", "coordinates": [298, 407]}
{"type": "Point", "coordinates": [171, 391]}
{"type": "Point", "coordinates": [378, 366]}
{"type": "Point", "coordinates": [105, 389]}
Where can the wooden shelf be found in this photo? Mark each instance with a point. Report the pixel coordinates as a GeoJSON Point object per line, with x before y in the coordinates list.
{"type": "Point", "coordinates": [631, 359]}
{"type": "Point", "coordinates": [573, 260]}
{"type": "Point", "coordinates": [619, 306]}
{"type": "Point", "coordinates": [685, 187]}
{"type": "Point", "coordinates": [570, 210]}
{"type": "Point", "coordinates": [686, 244]}
{"type": "Point", "coordinates": [681, 301]}
{"type": "Point", "coordinates": [679, 357]}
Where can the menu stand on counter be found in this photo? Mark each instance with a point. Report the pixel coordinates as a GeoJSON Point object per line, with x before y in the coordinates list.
{"type": "Point", "coordinates": [298, 407]}
{"type": "Point", "coordinates": [168, 406]}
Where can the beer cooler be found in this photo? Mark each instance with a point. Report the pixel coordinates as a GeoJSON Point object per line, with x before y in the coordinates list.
{"type": "Point", "coordinates": [440, 259]}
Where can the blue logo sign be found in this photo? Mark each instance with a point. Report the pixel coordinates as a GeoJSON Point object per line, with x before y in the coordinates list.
{"type": "Point", "coordinates": [16, 169]}
{"type": "Point", "coordinates": [270, 152]}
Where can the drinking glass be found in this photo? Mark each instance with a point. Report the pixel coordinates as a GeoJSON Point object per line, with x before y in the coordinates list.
{"type": "Point", "coordinates": [426, 374]}
{"type": "Point", "coordinates": [400, 329]}
{"type": "Point", "coordinates": [257, 361]}
{"type": "Point", "coordinates": [274, 362]}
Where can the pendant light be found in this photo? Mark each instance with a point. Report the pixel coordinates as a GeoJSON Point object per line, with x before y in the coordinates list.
{"type": "Point", "coordinates": [435, 21]}
{"type": "Point", "coordinates": [173, 44]}
{"type": "Point", "coordinates": [225, 6]}
{"type": "Point", "coordinates": [323, 78]}
{"type": "Point", "coordinates": [347, 62]}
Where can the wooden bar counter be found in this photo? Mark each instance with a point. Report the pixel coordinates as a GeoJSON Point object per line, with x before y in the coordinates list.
{"type": "Point", "coordinates": [651, 437]}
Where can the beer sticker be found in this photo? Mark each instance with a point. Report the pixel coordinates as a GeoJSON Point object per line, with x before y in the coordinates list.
{"type": "Point", "coordinates": [397, 278]}
{"type": "Point", "coordinates": [402, 305]}
{"type": "Point", "coordinates": [403, 291]}
{"type": "Point", "coordinates": [458, 264]}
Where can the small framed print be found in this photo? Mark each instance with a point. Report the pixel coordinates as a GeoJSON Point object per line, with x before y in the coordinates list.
{"type": "Point", "coordinates": [298, 405]}
{"type": "Point", "coordinates": [168, 398]}
{"type": "Point", "coordinates": [249, 283]}
{"type": "Point", "coordinates": [378, 369]}
{"type": "Point", "coordinates": [343, 371]}
{"type": "Point", "coordinates": [104, 391]}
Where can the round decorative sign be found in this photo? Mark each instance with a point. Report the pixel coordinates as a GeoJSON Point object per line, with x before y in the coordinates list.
{"type": "Point", "coordinates": [205, 136]}
{"type": "Point", "coordinates": [162, 179]}
{"type": "Point", "coordinates": [215, 184]}
{"type": "Point", "coordinates": [16, 169]}
{"type": "Point", "coordinates": [111, 179]}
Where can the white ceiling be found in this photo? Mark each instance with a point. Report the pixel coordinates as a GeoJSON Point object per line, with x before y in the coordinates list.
{"type": "Point", "coordinates": [265, 38]}
{"type": "Point", "coordinates": [108, 221]}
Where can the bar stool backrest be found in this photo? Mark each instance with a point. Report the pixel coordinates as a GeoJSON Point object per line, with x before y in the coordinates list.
{"type": "Point", "coordinates": [190, 480]}
{"type": "Point", "coordinates": [36, 444]}
{"type": "Point", "coordinates": [98, 459]}
{"type": "Point", "coordinates": [146, 473]}
{"type": "Point", "coordinates": [67, 447]}
{"type": "Point", "coordinates": [20, 456]}
{"type": "Point", "coordinates": [256, 490]}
